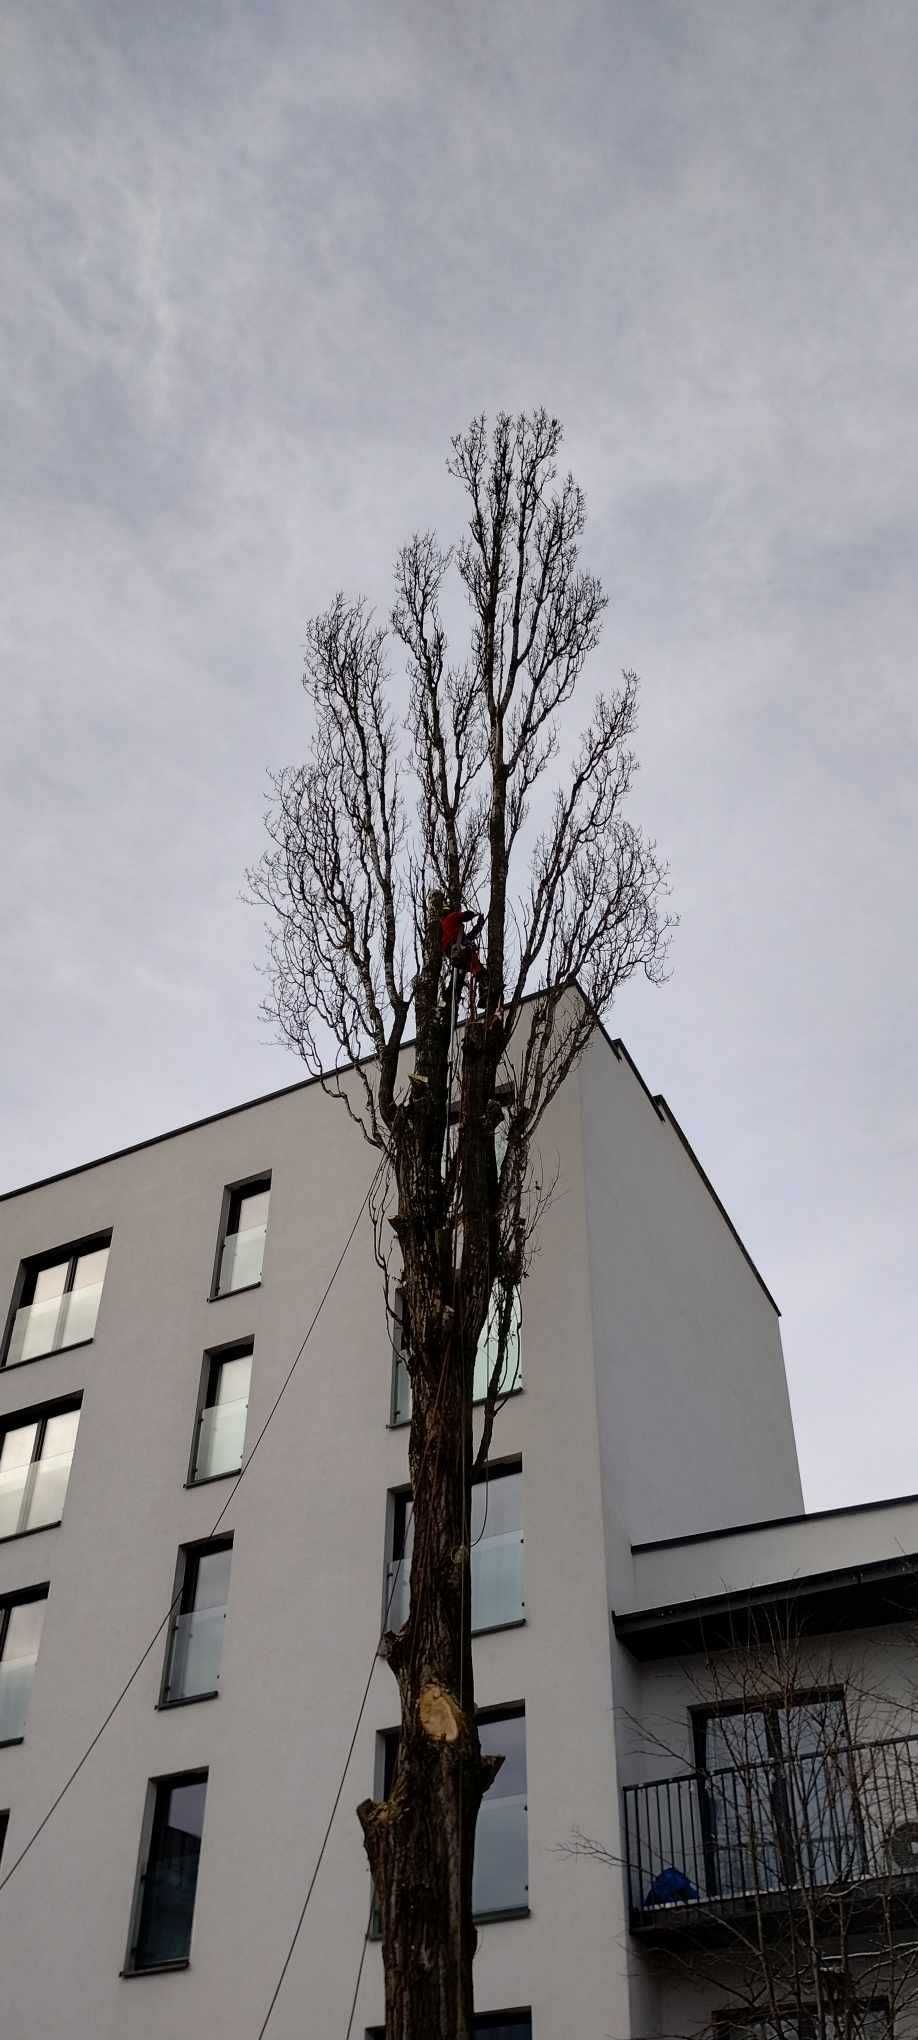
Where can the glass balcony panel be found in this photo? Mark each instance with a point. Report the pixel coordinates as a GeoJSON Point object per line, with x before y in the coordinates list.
{"type": "Point", "coordinates": [196, 1652]}
{"type": "Point", "coordinates": [15, 1460]}
{"type": "Point", "coordinates": [16, 1677]}
{"type": "Point", "coordinates": [397, 1593]}
{"type": "Point", "coordinates": [241, 1259]}
{"type": "Point", "coordinates": [12, 1490]}
{"type": "Point", "coordinates": [500, 1881]}
{"type": "Point", "coordinates": [221, 1438]}
{"type": "Point", "coordinates": [49, 1324]}
{"type": "Point", "coordinates": [497, 1581]}
{"type": "Point", "coordinates": [46, 1490]}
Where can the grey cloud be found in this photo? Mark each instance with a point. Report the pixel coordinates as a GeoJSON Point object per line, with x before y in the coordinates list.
{"type": "Point", "coordinates": [259, 263]}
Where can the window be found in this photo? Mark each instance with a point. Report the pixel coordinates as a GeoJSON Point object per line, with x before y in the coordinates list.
{"type": "Point", "coordinates": [36, 1451]}
{"type": "Point", "coordinates": [223, 1407]}
{"type": "Point", "coordinates": [485, 1359]}
{"type": "Point", "coordinates": [500, 1880]}
{"type": "Point", "coordinates": [57, 1300]}
{"type": "Point", "coordinates": [242, 1236]}
{"type": "Point", "coordinates": [496, 1551]}
{"type": "Point", "coordinates": [497, 2025]}
{"type": "Point", "coordinates": [21, 1619]}
{"type": "Point", "coordinates": [776, 1794]}
{"type": "Point", "coordinates": [4, 1824]}
{"type": "Point", "coordinates": [196, 1638]}
{"type": "Point", "coordinates": [164, 1903]}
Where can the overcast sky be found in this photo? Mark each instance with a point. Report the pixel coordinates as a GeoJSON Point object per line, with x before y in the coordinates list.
{"type": "Point", "coordinates": [260, 262]}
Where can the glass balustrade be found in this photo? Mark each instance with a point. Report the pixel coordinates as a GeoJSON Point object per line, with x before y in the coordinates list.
{"type": "Point", "coordinates": [33, 1495]}
{"type": "Point", "coordinates": [500, 1881]}
{"type": "Point", "coordinates": [197, 1648]}
{"type": "Point", "coordinates": [221, 1437]}
{"type": "Point", "coordinates": [241, 1259]}
{"type": "Point", "coordinates": [50, 1323]}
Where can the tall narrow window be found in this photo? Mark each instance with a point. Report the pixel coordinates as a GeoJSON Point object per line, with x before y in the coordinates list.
{"type": "Point", "coordinates": [196, 1641]}
{"type": "Point", "coordinates": [496, 1552]}
{"type": "Point", "coordinates": [57, 1300]}
{"type": "Point", "coordinates": [242, 1245]}
{"type": "Point", "coordinates": [511, 1377]}
{"type": "Point", "coordinates": [21, 1623]}
{"type": "Point", "coordinates": [36, 1454]}
{"type": "Point", "coordinates": [500, 1879]}
{"type": "Point", "coordinates": [500, 1883]}
{"type": "Point", "coordinates": [222, 1412]}
{"type": "Point", "coordinates": [164, 1905]}
{"type": "Point", "coordinates": [4, 1824]}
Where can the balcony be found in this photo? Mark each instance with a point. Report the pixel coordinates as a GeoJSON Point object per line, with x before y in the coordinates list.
{"type": "Point", "coordinates": [835, 1828]}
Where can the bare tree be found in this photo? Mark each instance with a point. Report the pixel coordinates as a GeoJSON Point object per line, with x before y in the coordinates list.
{"type": "Point", "coordinates": [775, 1890]}
{"type": "Point", "coordinates": [390, 825]}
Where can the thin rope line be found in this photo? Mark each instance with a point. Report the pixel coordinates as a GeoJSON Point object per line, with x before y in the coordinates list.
{"type": "Point", "coordinates": [363, 1950]}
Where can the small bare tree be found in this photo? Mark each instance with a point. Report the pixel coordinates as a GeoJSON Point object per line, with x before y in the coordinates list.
{"type": "Point", "coordinates": [776, 1888]}
{"type": "Point", "coordinates": [392, 824]}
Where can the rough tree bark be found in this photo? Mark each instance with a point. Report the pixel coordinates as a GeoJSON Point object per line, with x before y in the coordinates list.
{"type": "Point", "coordinates": [356, 886]}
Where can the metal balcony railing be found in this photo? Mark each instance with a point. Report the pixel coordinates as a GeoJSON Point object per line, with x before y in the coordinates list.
{"type": "Point", "coordinates": [836, 1819]}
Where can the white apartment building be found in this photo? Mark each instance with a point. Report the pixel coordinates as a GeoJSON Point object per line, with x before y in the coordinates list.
{"type": "Point", "coordinates": [643, 1498]}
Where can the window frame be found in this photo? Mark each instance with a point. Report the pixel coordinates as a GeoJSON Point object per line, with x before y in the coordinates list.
{"type": "Point", "coordinates": [212, 1361]}
{"type": "Point", "coordinates": [185, 1572]}
{"type": "Point", "coordinates": [398, 1497]}
{"type": "Point", "coordinates": [33, 1265]}
{"type": "Point", "coordinates": [260, 1181]}
{"type": "Point", "coordinates": [387, 1742]}
{"type": "Point", "coordinates": [156, 1787]}
{"type": "Point", "coordinates": [39, 1414]}
{"type": "Point", "coordinates": [21, 1597]}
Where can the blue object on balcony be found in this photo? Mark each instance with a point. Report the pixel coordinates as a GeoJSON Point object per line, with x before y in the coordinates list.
{"type": "Point", "coordinates": [668, 1887]}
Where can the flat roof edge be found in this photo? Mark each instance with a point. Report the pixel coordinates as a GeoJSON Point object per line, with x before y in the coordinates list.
{"type": "Point", "coordinates": [773, 1523]}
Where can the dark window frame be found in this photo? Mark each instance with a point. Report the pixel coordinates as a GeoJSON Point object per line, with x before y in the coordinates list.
{"type": "Point", "coordinates": [233, 1193]}
{"type": "Point", "coordinates": [39, 1414]}
{"type": "Point", "coordinates": [212, 1361]}
{"type": "Point", "coordinates": [398, 1505]}
{"type": "Point", "coordinates": [186, 1573]}
{"type": "Point", "coordinates": [33, 1265]}
{"type": "Point", "coordinates": [21, 1597]}
{"type": "Point", "coordinates": [155, 1796]}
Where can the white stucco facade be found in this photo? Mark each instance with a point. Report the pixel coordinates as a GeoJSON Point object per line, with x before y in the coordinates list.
{"type": "Point", "coordinates": [654, 1407]}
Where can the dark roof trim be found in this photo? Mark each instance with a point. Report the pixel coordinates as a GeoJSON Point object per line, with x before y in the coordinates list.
{"type": "Point", "coordinates": [852, 1597]}
{"type": "Point", "coordinates": [775, 1523]}
{"type": "Point", "coordinates": [664, 1112]}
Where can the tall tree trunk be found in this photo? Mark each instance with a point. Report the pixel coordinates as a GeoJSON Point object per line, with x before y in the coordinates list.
{"type": "Point", "coordinates": [420, 1841]}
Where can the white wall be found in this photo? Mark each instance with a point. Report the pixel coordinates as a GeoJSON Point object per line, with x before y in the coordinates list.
{"type": "Point", "coordinates": [694, 1415]}
{"type": "Point", "coordinates": [304, 1604]}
